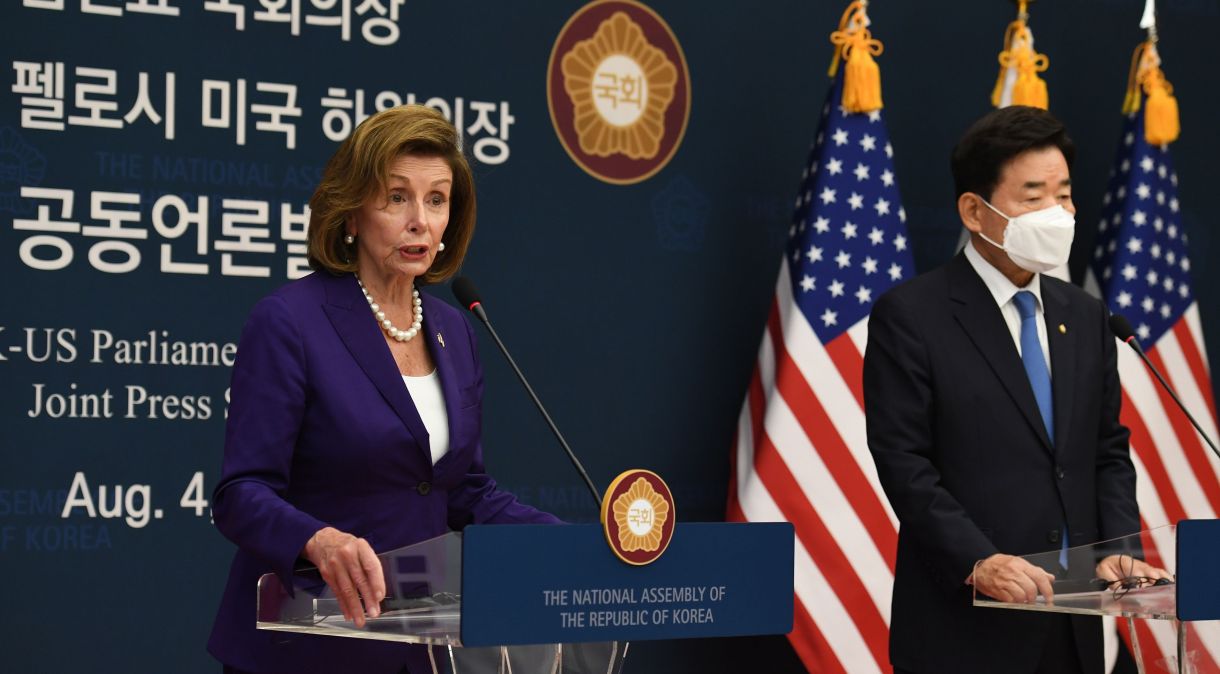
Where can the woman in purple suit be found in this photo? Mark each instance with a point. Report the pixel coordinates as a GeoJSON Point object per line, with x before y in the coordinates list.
{"type": "Point", "coordinates": [354, 419]}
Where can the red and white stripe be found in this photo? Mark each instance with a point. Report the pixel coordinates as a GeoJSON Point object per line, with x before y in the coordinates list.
{"type": "Point", "coordinates": [1177, 475]}
{"type": "Point", "coordinates": [801, 456]}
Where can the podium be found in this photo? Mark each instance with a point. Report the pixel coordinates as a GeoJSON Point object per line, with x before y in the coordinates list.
{"type": "Point", "coordinates": [554, 598]}
{"type": "Point", "coordinates": [1190, 551]}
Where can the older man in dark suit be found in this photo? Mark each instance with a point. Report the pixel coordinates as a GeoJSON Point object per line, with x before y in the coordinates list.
{"type": "Point", "coordinates": [992, 401]}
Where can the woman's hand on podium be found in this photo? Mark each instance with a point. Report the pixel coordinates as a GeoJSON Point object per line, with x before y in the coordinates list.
{"type": "Point", "coordinates": [1012, 579]}
{"type": "Point", "coordinates": [351, 569]}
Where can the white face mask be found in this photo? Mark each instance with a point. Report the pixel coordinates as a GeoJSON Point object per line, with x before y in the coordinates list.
{"type": "Point", "coordinates": [1038, 241]}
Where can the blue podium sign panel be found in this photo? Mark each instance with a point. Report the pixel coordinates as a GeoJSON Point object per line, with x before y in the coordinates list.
{"type": "Point", "coordinates": [1198, 560]}
{"type": "Point", "coordinates": [528, 584]}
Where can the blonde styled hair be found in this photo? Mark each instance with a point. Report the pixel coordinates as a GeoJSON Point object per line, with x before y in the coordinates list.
{"type": "Point", "coordinates": [359, 171]}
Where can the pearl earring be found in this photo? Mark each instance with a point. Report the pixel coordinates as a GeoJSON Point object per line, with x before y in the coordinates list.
{"type": "Point", "coordinates": [440, 247]}
{"type": "Point", "coordinates": [349, 239]}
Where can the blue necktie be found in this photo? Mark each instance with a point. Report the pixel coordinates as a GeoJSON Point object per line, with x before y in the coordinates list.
{"type": "Point", "coordinates": [1039, 377]}
{"type": "Point", "coordinates": [1033, 359]}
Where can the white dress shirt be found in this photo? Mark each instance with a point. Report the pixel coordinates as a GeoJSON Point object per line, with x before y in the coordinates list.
{"type": "Point", "coordinates": [1003, 291]}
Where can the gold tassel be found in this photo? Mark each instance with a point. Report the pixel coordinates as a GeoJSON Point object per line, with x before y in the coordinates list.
{"type": "Point", "coordinates": [1018, 53]}
{"type": "Point", "coordinates": [1030, 89]}
{"type": "Point", "coordinates": [1005, 59]}
{"type": "Point", "coordinates": [1162, 124]}
{"type": "Point", "coordinates": [861, 76]}
{"type": "Point", "coordinates": [861, 82]}
{"type": "Point", "coordinates": [998, 90]}
{"type": "Point", "coordinates": [1131, 103]}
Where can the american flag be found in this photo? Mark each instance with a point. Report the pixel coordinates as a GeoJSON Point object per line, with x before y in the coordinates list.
{"type": "Point", "coordinates": [800, 452]}
{"type": "Point", "coordinates": [1142, 265]}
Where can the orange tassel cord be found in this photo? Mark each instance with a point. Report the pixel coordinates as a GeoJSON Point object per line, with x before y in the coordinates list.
{"type": "Point", "coordinates": [1019, 55]}
{"type": "Point", "coordinates": [854, 44]}
{"type": "Point", "coordinates": [1162, 123]}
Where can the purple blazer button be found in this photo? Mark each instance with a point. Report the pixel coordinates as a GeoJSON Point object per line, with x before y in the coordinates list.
{"type": "Point", "coordinates": [423, 488]}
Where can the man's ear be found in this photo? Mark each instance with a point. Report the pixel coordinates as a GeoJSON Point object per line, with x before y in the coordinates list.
{"type": "Point", "coordinates": [970, 208]}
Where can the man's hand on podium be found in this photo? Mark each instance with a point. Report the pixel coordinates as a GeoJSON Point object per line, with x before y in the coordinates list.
{"type": "Point", "coordinates": [1011, 579]}
{"type": "Point", "coordinates": [351, 569]}
{"type": "Point", "coordinates": [1128, 570]}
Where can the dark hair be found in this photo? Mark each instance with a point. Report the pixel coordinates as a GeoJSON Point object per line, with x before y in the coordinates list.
{"type": "Point", "coordinates": [359, 169]}
{"type": "Point", "coordinates": [999, 136]}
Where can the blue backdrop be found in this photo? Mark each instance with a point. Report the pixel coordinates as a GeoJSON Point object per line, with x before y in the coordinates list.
{"type": "Point", "coordinates": [156, 157]}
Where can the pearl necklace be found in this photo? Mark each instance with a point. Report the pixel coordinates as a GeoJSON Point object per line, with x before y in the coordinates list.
{"type": "Point", "coordinates": [398, 335]}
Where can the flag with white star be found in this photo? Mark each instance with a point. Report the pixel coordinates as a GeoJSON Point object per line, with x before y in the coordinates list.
{"type": "Point", "coordinates": [1141, 266]}
{"type": "Point", "coordinates": [1141, 257]}
{"type": "Point", "coordinates": [847, 243]}
{"type": "Point", "coordinates": [801, 454]}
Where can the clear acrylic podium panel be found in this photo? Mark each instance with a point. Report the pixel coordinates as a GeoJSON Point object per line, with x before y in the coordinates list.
{"type": "Point", "coordinates": [1159, 645]}
{"type": "Point", "coordinates": [423, 606]}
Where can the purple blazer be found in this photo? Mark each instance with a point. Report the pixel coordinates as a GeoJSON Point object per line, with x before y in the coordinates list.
{"type": "Point", "coordinates": [322, 432]}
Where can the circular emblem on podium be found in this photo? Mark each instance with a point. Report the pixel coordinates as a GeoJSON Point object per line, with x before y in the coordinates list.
{"type": "Point", "coordinates": [618, 90]}
{"type": "Point", "coordinates": [638, 516]}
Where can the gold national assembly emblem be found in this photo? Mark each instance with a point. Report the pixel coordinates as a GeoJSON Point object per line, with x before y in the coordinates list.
{"type": "Point", "coordinates": [619, 91]}
{"type": "Point", "coordinates": [638, 516]}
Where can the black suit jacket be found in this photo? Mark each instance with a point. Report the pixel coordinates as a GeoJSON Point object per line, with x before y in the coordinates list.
{"type": "Point", "coordinates": [965, 460]}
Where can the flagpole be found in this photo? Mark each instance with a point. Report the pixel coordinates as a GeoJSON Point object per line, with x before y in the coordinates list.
{"type": "Point", "coordinates": [1023, 8]}
{"type": "Point", "coordinates": [1148, 23]}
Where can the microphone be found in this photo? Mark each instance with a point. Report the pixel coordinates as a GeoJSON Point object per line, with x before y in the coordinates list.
{"type": "Point", "coordinates": [466, 294]}
{"type": "Point", "coordinates": [1121, 328]}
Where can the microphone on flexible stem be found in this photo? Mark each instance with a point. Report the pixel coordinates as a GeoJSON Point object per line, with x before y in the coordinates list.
{"type": "Point", "coordinates": [468, 296]}
{"type": "Point", "coordinates": [1122, 329]}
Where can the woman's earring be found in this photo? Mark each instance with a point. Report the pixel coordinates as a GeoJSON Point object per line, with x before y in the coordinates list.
{"type": "Point", "coordinates": [349, 239]}
{"type": "Point", "coordinates": [440, 248]}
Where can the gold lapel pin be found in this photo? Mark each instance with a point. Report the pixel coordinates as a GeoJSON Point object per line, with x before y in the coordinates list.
{"type": "Point", "coordinates": [440, 338]}
{"type": "Point", "coordinates": [1063, 329]}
